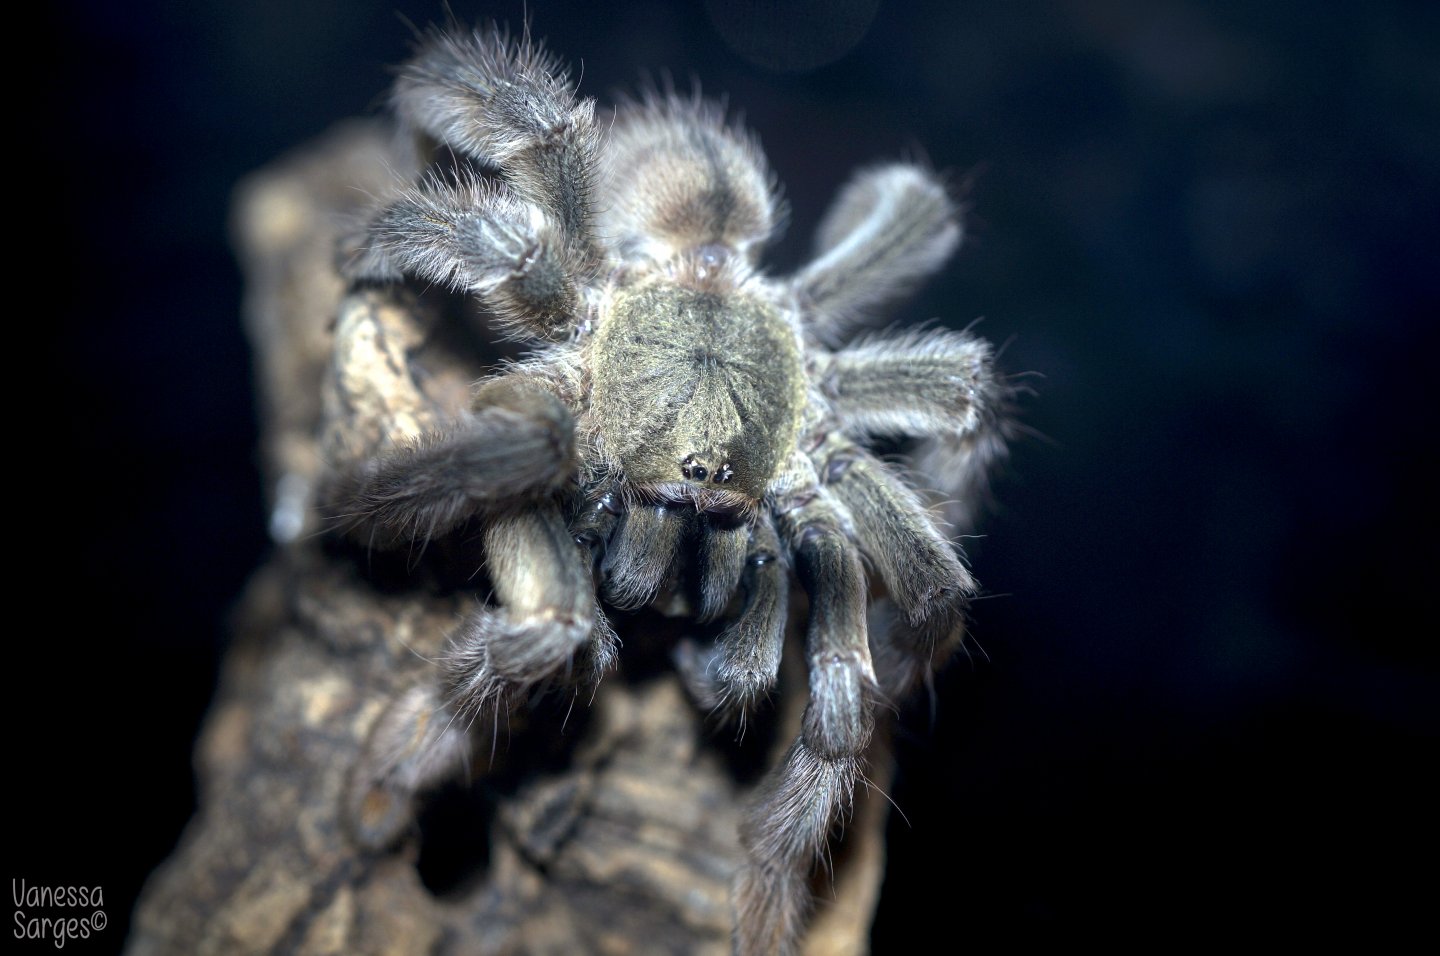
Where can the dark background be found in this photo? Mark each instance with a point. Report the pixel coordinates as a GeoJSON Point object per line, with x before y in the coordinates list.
{"type": "Point", "coordinates": [1207, 700]}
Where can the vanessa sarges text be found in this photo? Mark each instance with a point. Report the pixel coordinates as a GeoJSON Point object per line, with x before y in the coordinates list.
{"type": "Point", "coordinates": [57, 914]}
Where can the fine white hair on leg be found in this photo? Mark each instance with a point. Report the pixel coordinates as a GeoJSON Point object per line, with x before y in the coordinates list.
{"type": "Point", "coordinates": [473, 235]}
{"type": "Point", "coordinates": [788, 824]}
{"type": "Point", "coordinates": [919, 566]}
{"type": "Point", "coordinates": [546, 614]}
{"type": "Point", "coordinates": [936, 384]}
{"type": "Point", "coordinates": [507, 103]}
{"type": "Point", "coordinates": [890, 227]}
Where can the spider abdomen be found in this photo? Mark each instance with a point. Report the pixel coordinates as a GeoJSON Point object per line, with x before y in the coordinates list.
{"type": "Point", "coordinates": [699, 393]}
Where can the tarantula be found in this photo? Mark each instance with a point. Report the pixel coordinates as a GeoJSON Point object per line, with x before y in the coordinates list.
{"type": "Point", "coordinates": [684, 425]}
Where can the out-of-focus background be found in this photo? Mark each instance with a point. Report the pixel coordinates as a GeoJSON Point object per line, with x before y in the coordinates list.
{"type": "Point", "coordinates": [1207, 699]}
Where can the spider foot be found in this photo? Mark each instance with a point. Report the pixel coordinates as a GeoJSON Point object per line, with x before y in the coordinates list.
{"type": "Point", "coordinates": [496, 658]}
{"type": "Point", "coordinates": [415, 744]}
{"type": "Point", "coordinates": [784, 833]}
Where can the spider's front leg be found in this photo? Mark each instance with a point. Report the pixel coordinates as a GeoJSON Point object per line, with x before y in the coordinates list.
{"type": "Point", "coordinates": [921, 385]}
{"type": "Point", "coordinates": [546, 617]}
{"type": "Point", "coordinates": [940, 387]}
{"type": "Point", "coordinates": [741, 667]}
{"type": "Point", "coordinates": [516, 443]}
{"type": "Point", "coordinates": [786, 829]}
{"type": "Point", "coordinates": [525, 244]}
{"type": "Point", "coordinates": [505, 462]}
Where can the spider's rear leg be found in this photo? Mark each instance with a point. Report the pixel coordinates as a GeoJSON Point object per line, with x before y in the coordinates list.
{"type": "Point", "coordinates": [509, 104]}
{"type": "Point", "coordinates": [920, 568]}
{"type": "Point", "coordinates": [890, 227]}
{"type": "Point", "coordinates": [518, 442]}
{"type": "Point", "coordinates": [744, 662]}
{"type": "Point", "coordinates": [546, 616]}
{"type": "Point", "coordinates": [786, 829]}
{"type": "Point", "coordinates": [475, 236]}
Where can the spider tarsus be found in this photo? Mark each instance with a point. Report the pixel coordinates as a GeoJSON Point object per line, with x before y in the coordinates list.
{"type": "Point", "coordinates": [785, 832]}
{"type": "Point", "coordinates": [413, 745]}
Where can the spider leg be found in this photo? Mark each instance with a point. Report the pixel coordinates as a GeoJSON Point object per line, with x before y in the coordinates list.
{"type": "Point", "coordinates": [890, 227]}
{"type": "Point", "coordinates": [415, 744]}
{"type": "Point", "coordinates": [724, 546]}
{"type": "Point", "coordinates": [939, 386]}
{"type": "Point", "coordinates": [683, 179]}
{"type": "Point", "coordinates": [546, 615]}
{"type": "Point", "coordinates": [475, 236]}
{"type": "Point", "coordinates": [642, 554]}
{"type": "Point", "coordinates": [591, 529]}
{"type": "Point", "coordinates": [920, 568]}
{"type": "Point", "coordinates": [744, 662]}
{"type": "Point", "coordinates": [934, 383]}
{"type": "Point", "coordinates": [517, 442]}
{"type": "Point", "coordinates": [786, 828]}
{"type": "Point", "coordinates": [509, 104]}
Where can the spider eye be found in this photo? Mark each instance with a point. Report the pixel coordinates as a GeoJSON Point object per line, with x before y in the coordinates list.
{"type": "Point", "coordinates": [699, 472]}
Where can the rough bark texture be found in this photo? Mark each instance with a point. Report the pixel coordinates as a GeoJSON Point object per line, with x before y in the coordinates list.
{"type": "Point", "coordinates": [586, 825]}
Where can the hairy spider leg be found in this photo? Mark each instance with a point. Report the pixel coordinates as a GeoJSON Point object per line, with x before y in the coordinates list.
{"type": "Point", "coordinates": [545, 617]}
{"type": "Point", "coordinates": [786, 828]}
{"type": "Point", "coordinates": [889, 228]}
{"type": "Point", "coordinates": [920, 568]}
{"type": "Point", "coordinates": [742, 666]}
{"type": "Point", "coordinates": [524, 245]}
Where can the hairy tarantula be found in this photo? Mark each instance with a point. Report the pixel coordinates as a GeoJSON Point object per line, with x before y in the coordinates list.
{"type": "Point", "coordinates": [684, 426]}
